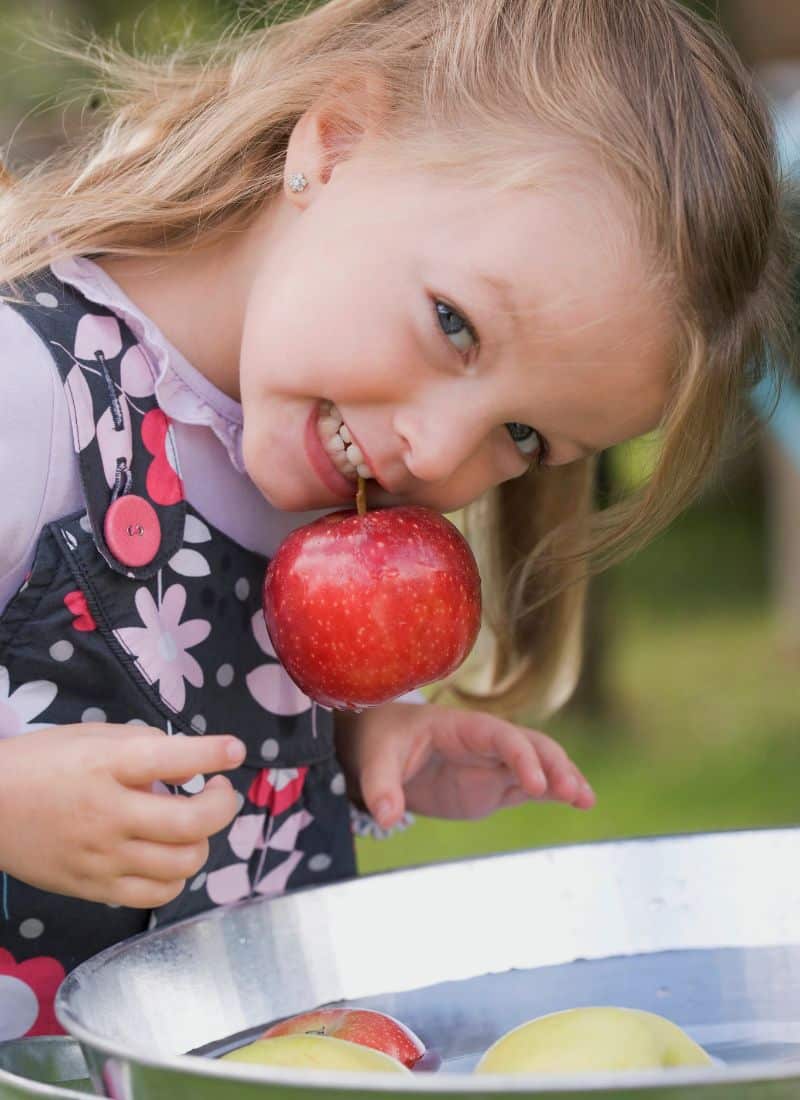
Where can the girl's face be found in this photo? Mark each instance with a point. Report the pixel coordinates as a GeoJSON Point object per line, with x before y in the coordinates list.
{"type": "Point", "coordinates": [451, 335]}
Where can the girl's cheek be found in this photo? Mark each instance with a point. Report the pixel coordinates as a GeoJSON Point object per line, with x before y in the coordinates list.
{"type": "Point", "coordinates": [469, 483]}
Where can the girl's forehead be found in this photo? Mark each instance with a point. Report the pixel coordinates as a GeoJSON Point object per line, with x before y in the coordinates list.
{"type": "Point", "coordinates": [562, 260]}
{"type": "Point", "coordinates": [555, 273]}
{"type": "Point", "coordinates": [574, 213]}
{"type": "Point", "coordinates": [567, 285]}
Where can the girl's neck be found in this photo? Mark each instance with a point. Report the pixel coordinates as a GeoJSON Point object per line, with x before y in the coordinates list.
{"type": "Point", "coordinates": [197, 298]}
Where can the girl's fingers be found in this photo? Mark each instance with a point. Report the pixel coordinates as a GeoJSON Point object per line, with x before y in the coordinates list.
{"type": "Point", "coordinates": [142, 760]}
{"type": "Point", "coordinates": [164, 863]}
{"type": "Point", "coordinates": [542, 768]}
{"type": "Point", "coordinates": [514, 796]}
{"type": "Point", "coordinates": [142, 893]}
{"type": "Point", "coordinates": [381, 779]}
{"type": "Point", "coordinates": [500, 742]}
{"type": "Point", "coordinates": [586, 797]}
{"type": "Point", "coordinates": [519, 755]}
{"type": "Point", "coordinates": [179, 819]}
{"type": "Point", "coordinates": [565, 783]}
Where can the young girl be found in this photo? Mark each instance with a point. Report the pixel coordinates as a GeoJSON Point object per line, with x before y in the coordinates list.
{"type": "Point", "coordinates": [458, 248]}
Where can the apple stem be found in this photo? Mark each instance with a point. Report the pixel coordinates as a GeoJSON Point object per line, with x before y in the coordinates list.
{"type": "Point", "coordinates": [361, 497]}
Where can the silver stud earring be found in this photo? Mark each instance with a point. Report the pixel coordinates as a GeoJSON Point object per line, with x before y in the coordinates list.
{"type": "Point", "coordinates": [297, 182]}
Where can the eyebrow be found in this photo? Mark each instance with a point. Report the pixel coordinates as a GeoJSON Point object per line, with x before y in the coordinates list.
{"type": "Point", "coordinates": [503, 292]}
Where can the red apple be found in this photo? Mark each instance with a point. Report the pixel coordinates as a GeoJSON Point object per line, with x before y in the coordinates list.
{"type": "Point", "coordinates": [363, 608]}
{"type": "Point", "coordinates": [356, 1025]}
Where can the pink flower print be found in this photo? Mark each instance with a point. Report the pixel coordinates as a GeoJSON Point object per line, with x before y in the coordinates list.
{"type": "Point", "coordinates": [246, 836]}
{"type": "Point", "coordinates": [164, 486]}
{"type": "Point", "coordinates": [275, 883]}
{"type": "Point", "coordinates": [284, 839]}
{"type": "Point", "coordinates": [135, 373]}
{"type": "Point", "coordinates": [228, 884]}
{"type": "Point", "coordinates": [81, 409]}
{"type": "Point", "coordinates": [277, 788]}
{"type": "Point", "coordinates": [98, 339]}
{"type": "Point", "coordinates": [160, 646]}
{"type": "Point", "coordinates": [96, 335]}
{"type": "Point", "coordinates": [27, 992]}
{"type": "Point", "coordinates": [115, 443]}
{"type": "Point", "coordinates": [114, 1080]}
{"type": "Point", "coordinates": [270, 685]}
{"type": "Point", "coordinates": [17, 708]}
{"type": "Point", "coordinates": [77, 606]}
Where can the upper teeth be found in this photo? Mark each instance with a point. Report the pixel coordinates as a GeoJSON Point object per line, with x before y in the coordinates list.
{"type": "Point", "coordinates": [337, 441]}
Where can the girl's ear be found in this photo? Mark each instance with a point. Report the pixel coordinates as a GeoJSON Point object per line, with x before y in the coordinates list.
{"type": "Point", "coordinates": [330, 132]}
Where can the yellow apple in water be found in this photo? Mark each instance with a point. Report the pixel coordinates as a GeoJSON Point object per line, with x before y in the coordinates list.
{"type": "Point", "coordinates": [315, 1052]}
{"type": "Point", "coordinates": [583, 1040]}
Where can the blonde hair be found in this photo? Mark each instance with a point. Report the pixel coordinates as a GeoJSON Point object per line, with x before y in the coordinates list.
{"type": "Point", "coordinates": [195, 143]}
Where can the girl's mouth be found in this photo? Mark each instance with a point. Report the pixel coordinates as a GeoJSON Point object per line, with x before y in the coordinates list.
{"type": "Point", "coordinates": [335, 437]}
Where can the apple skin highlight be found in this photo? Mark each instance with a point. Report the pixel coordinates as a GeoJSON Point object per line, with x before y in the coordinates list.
{"type": "Point", "coordinates": [356, 1025]}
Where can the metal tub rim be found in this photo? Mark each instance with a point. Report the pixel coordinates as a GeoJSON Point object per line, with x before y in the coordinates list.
{"type": "Point", "coordinates": [461, 1083]}
{"type": "Point", "coordinates": [29, 1085]}
{"type": "Point", "coordinates": [38, 1088]}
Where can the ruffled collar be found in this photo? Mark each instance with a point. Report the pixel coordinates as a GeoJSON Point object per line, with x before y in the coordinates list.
{"type": "Point", "coordinates": [183, 392]}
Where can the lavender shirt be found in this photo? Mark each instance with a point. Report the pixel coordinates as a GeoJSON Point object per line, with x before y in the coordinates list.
{"type": "Point", "coordinates": [39, 478]}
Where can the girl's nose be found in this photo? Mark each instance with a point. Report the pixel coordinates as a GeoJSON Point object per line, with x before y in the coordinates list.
{"type": "Point", "coordinates": [439, 438]}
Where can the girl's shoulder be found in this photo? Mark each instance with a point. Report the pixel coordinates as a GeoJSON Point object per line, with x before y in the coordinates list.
{"type": "Point", "coordinates": [28, 378]}
{"type": "Point", "coordinates": [39, 479]}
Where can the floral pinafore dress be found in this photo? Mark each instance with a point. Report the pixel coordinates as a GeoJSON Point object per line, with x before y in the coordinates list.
{"type": "Point", "coordinates": [137, 610]}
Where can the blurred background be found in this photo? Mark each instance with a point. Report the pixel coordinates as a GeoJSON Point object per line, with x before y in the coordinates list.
{"type": "Point", "coordinates": [688, 713]}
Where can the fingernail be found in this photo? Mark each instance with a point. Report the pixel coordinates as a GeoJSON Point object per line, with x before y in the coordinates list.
{"type": "Point", "coordinates": [383, 812]}
{"type": "Point", "coordinates": [587, 790]}
{"type": "Point", "coordinates": [236, 750]}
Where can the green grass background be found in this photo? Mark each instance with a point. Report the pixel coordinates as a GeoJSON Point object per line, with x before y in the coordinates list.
{"type": "Point", "coordinates": [706, 726]}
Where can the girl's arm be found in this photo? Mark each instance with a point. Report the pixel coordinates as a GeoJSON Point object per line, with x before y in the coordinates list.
{"type": "Point", "coordinates": [39, 479]}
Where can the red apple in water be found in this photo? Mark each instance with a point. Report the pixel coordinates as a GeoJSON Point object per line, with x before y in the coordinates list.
{"type": "Point", "coordinates": [363, 608]}
{"type": "Point", "coordinates": [356, 1025]}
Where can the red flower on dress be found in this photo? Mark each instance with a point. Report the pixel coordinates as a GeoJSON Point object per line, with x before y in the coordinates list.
{"type": "Point", "coordinates": [277, 788]}
{"type": "Point", "coordinates": [163, 484]}
{"type": "Point", "coordinates": [27, 992]}
{"type": "Point", "coordinates": [76, 604]}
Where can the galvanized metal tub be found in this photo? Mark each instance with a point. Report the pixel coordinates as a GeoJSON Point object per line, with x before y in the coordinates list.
{"type": "Point", "coordinates": [45, 1066]}
{"type": "Point", "coordinates": [703, 929]}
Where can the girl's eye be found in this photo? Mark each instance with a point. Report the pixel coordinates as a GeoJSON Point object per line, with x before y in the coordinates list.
{"type": "Point", "coordinates": [455, 328]}
{"type": "Point", "coordinates": [527, 439]}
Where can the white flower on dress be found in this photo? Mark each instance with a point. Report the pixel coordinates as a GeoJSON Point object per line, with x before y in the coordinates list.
{"type": "Point", "coordinates": [17, 708]}
{"type": "Point", "coordinates": [270, 685]}
{"type": "Point", "coordinates": [160, 646]}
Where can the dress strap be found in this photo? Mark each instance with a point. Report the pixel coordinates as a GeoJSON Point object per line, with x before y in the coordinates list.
{"type": "Point", "coordinates": [125, 443]}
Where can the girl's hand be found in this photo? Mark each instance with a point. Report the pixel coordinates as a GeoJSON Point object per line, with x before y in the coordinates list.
{"type": "Point", "coordinates": [78, 815]}
{"type": "Point", "coordinates": [444, 762]}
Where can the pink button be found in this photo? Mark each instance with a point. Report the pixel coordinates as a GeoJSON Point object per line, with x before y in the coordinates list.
{"type": "Point", "coordinates": [132, 530]}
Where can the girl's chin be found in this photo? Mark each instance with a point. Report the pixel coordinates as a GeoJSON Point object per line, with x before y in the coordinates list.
{"type": "Point", "coordinates": [300, 494]}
